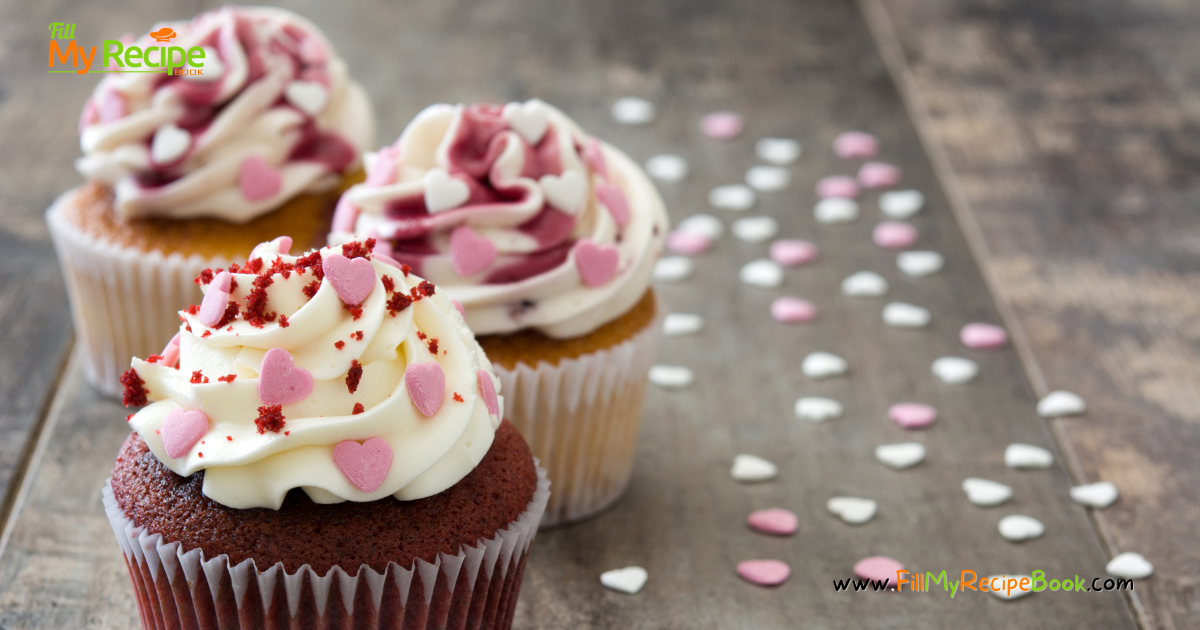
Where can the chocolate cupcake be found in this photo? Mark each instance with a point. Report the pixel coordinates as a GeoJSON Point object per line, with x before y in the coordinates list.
{"type": "Point", "coordinates": [548, 238]}
{"type": "Point", "coordinates": [258, 137]}
{"type": "Point", "coordinates": [325, 450]}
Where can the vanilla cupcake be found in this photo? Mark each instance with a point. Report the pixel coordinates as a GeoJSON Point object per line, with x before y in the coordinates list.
{"type": "Point", "coordinates": [547, 237]}
{"type": "Point", "coordinates": [324, 447]}
{"type": "Point", "coordinates": [191, 171]}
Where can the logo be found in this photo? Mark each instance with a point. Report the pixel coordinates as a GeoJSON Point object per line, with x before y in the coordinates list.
{"type": "Point", "coordinates": [116, 56]}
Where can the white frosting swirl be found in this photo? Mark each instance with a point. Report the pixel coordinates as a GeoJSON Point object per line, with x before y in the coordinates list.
{"type": "Point", "coordinates": [534, 191]}
{"type": "Point", "coordinates": [273, 115]}
{"type": "Point", "coordinates": [246, 466]}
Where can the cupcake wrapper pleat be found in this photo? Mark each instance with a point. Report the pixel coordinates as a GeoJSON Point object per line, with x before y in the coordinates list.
{"type": "Point", "coordinates": [476, 588]}
{"type": "Point", "coordinates": [581, 420]}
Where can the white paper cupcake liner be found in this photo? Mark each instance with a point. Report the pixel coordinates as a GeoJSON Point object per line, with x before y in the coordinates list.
{"type": "Point", "coordinates": [477, 588]}
{"type": "Point", "coordinates": [581, 420]}
{"type": "Point", "coordinates": [124, 302]}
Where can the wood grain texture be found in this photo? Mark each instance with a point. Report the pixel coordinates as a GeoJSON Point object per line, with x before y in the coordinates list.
{"type": "Point", "coordinates": [806, 71]}
{"type": "Point", "coordinates": [1072, 135]}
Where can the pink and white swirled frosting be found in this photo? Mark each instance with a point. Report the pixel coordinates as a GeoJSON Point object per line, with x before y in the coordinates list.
{"type": "Point", "coordinates": [273, 114]}
{"type": "Point", "coordinates": [336, 372]}
{"type": "Point", "coordinates": [516, 212]}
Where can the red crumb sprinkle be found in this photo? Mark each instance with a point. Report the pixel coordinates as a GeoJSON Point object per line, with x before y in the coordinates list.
{"type": "Point", "coordinates": [154, 358]}
{"type": "Point", "coordinates": [356, 311]}
{"type": "Point", "coordinates": [253, 266]}
{"type": "Point", "coordinates": [270, 418]}
{"type": "Point", "coordinates": [354, 249]}
{"type": "Point", "coordinates": [358, 408]}
{"type": "Point", "coordinates": [188, 327]}
{"type": "Point", "coordinates": [283, 268]}
{"type": "Point", "coordinates": [229, 437]}
{"type": "Point", "coordinates": [339, 344]}
{"type": "Point", "coordinates": [426, 288]}
{"type": "Point", "coordinates": [205, 277]}
{"type": "Point", "coordinates": [231, 313]}
{"type": "Point", "coordinates": [310, 289]}
{"type": "Point", "coordinates": [432, 343]}
{"type": "Point", "coordinates": [129, 417]}
{"type": "Point", "coordinates": [458, 398]}
{"type": "Point", "coordinates": [193, 310]}
{"type": "Point", "coordinates": [287, 432]}
{"type": "Point", "coordinates": [203, 442]}
{"type": "Point", "coordinates": [421, 335]}
{"type": "Point", "coordinates": [228, 378]}
{"type": "Point", "coordinates": [283, 322]}
{"type": "Point", "coordinates": [354, 375]}
{"type": "Point", "coordinates": [199, 377]}
{"type": "Point", "coordinates": [207, 333]}
{"type": "Point", "coordinates": [256, 302]}
{"type": "Point", "coordinates": [313, 262]}
{"type": "Point", "coordinates": [230, 329]}
{"type": "Point", "coordinates": [398, 302]}
{"type": "Point", "coordinates": [406, 269]}
{"type": "Point", "coordinates": [134, 394]}
{"type": "Point", "coordinates": [200, 454]}
{"type": "Point", "coordinates": [234, 268]}
{"type": "Point", "coordinates": [389, 285]}
{"type": "Point", "coordinates": [357, 335]}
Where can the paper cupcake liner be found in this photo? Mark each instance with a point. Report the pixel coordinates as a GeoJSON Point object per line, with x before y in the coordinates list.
{"type": "Point", "coordinates": [124, 302]}
{"type": "Point", "coordinates": [476, 589]}
{"type": "Point", "coordinates": [581, 418]}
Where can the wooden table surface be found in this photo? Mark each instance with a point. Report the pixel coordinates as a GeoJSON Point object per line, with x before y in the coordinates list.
{"type": "Point", "coordinates": [1065, 222]}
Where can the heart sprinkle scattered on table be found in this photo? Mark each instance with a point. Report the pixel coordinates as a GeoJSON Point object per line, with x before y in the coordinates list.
{"type": "Point", "coordinates": [687, 243]}
{"type": "Point", "coordinates": [774, 521]}
{"type": "Point", "coordinates": [865, 284]}
{"type": "Point", "coordinates": [894, 235]}
{"type": "Point", "coordinates": [912, 415]}
{"type": "Point", "coordinates": [837, 186]}
{"type": "Point", "coordinates": [1010, 591]}
{"type": "Point", "coordinates": [721, 125]}
{"type": "Point", "coordinates": [1130, 565]}
{"type": "Point", "coordinates": [1061, 403]}
{"type": "Point", "coordinates": [629, 580]}
{"type": "Point", "coordinates": [878, 568]}
{"type": "Point", "coordinates": [900, 456]}
{"type": "Point", "coordinates": [791, 252]}
{"type": "Point", "coordinates": [735, 197]}
{"type": "Point", "coordinates": [1097, 495]}
{"type": "Point", "coordinates": [1018, 527]}
{"type": "Point", "coordinates": [853, 510]}
{"type": "Point", "coordinates": [955, 370]}
{"type": "Point", "coordinates": [901, 204]}
{"type": "Point", "coordinates": [855, 145]}
{"type": "Point", "coordinates": [764, 572]}
{"type": "Point", "coordinates": [680, 324]}
{"type": "Point", "coordinates": [671, 376]}
{"type": "Point", "coordinates": [817, 409]}
{"type": "Point", "coordinates": [667, 168]}
{"type": "Point", "coordinates": [768, 178]}
{"type": "Point", "coordinates": [633, 111]}
{"type": "Point", "coordinates": [705, 225]}
{"type": "Point", "coordinates": [983, 336]}
{"type": "Point", "coordinates": [1027, 456]}
{"type": "Point", "coordinates": [878, 175]}
{"type": "Point", "coordinates": [820, 365]}
{"type": "Point", "coordinates": [766, 274]}
{"type": "Point", "coordinates": [835, 210]}
{"type": "Point", "coordinates": [986, 493]}
{"type": "Point", "coordinates": [782, 151]}
{"type": "Point", "coordinates": [673, 269]}
{"type": "Point", "coordinates": [901, 315]}
{"type": "Point", "coordinates": [755, 229]}
{"type": "Point", "coordinates": [792, 310]}
{"type": "Point", "coordinates": [752, 468]}
{"type": "Point", "coordinates": [919, 263]}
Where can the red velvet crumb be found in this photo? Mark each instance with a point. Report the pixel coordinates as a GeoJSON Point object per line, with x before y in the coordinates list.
{"type": "Point", "coordinates": [389, 285]}
{"type": "Point", "coordinates": [283, 322]}
{"type": "Point", "coordinates": [231, 313]}
{"type": "Point", "coordinates": [198, 377]}
{"type": "Point", "coordinates": [432, 343]}
{"type": "Point", "coordinates": [339, 344]}
{"type": "Point", "coordinates": [207, 333]}
{"type": "Point", "coordinates": [354, 375]}
{"type": "Point", "coordinates": [357, 335]}
{"type": "Point", "coordinates": [313, 262]}
{"type": "Point", "coordinates": [205, 277]}
{"type": "Point", "coordinates": [426, 288]}
{"type": "Point", "coordinates": [356, 311]}
{"type": "Point", "coordinates": [134, 394]}
{"type": "Point", "coordinates": [256, 303]}
{"type": "Point", "coordinates": [253, 266]}
{"type": "Point", "coordinates": [358, 408]}
{"type": "Point", "coordinates": [229, 437]}
{"type": "Point", "coordinates": [398, 302]}
{"type": "Point", "coordinates": [154, 358]}
{"type": "Point", "coordinates": [354, 249]}
{"type": "Point", "coordinates": [406, 269]}
{"type": "Point", "coordinates": [228, 378]}
{"type": "Point", "coordinates": [129, 417]}
{"type": "Point", "coordinates": [421, 335]}
{"type": "Point", "coordinates": [270, 418]}
{"type": "Point", "coordinates": [458, 398]}
{"type": "Point", "coordinates": [310, 289]}
{"type": "Point", "coordinates": [193, 310]}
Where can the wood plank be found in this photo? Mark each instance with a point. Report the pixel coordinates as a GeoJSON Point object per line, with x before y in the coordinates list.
{"type": "Point", "coordinates": [805, 71]}
{"type": "Point", "coordinates": [1071, 135]}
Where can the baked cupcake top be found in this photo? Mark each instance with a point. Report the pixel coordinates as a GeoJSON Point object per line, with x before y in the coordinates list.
{"type": "Point", "coordinates": [516, 212]}
{"type": "Point", "coordinates": [273, 114]}
{"type": "Point", "coordinates": [339, 372]}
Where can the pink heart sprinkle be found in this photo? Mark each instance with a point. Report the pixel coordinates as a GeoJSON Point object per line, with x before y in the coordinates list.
{"type": "Point", "coordinates": [487, 389]}
{"type": "Point", "coordinates": [426, 386]}
{"type": "Point", "coordinates": [764, 572]}
{"type": "Point", "coordinates": [597, 263]}
{"type": "Point", "coordinates": [615, 201]}
{"type": "Point", "coordinates": [364, 465]}
{"type": "Point", "coordinates": [777, 521]}
{"type": "Point", "coordinates": [259, 180]}
{"type": "Point", "coordinates": [383, 169]}
{"type": "Point", "coordinates": [181, 429]}
{"type": "Point", "coordinates": [855, 144]}
{"type": "Point", "coordinates": [878, 175]}
{"type": "Point", "coordinates": [345, 214]}
{"type": "Point", "coordinates": [837, 186]}
{"type": "Point", "coordinates": [352, 278]}
{"type": "Point", "coordinates": [894, 235]}
{"type": "Point", "coordinates": [912, 415]}
{"type": "Point", "coordinates": [282, 243]}
{"type": "Point", "coordinates": [216, 300]}
{"type": "Point", "coordinates": [792, 252]}
{"type": "Point", "coordinates": [459, 307]}
{"type": "Point", "coordinates": [721, 125]}
{"type": "Point", "coordinates": [595, 158]}
{"type": "Point", "coordinates": [687, 243]}
{"type": "Point", "coordinates": [790, 310]}
{"type": "Point", "coordinates": [280, 381]}
{"type": "Point", "coordinates": [170, 354]}
{"type": "Point", "coordinates": [470, 253]}
{"type": "Point", "coordinates": [983, 336]}
{"type": "Point", "coordinates": [878, 568]}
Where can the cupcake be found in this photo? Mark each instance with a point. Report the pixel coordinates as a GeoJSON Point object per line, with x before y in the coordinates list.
{"type": "Point", "coordinates": [324, 449]}
{"type": "Point", "coordinates": [547, 237]}
{"type": "Point", "coordinates": [191, 171]}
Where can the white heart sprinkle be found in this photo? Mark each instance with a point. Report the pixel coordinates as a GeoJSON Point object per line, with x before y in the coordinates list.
{"type": "Point", "coordinates": [1098, 495]}
{"type": "Point", "coordinates": [865, 284]}
{"type": "Point", "coordinates": [901, 315]}
{"type": "Point", "coordinates": [169, 144]}
{"type": "Point", "coordinates": [901, 204]}
{"type": "Point", "coordinates": [567, 192]}
{"type": "Point", "coordinates": [900, 455]}
{"type": "Point", "coordinates": [817, 409]}
{"type": "Point", "coordinates": [823, 365]}
{"type": "Point", "coordinates": [673, 269]}
{"type": "Point", "coordinates": [213, 67]}
{"type": "Point", "coordinates": [777, 150]}
{"type": "Point", "coordinates": [443, 192]}
{"type": "Point", "coordinates": [736, 197]}
{"type": "Point", "coordinates": [1018, 527]}
{"type": "Point", "coordinates": [628, 580]}
{"type": "Point", "coordinates": [755, 229]}
{"type": "Point", "coordinates": [309, 97]}
{"type": "Point", "coordinates": [853, 510]}
{"type": "Point", "coordinates": [955, 370]}
{"type": "Point", "coordinates": [918, 264]}
{"type": "Point", "coordinates": [768, 178]}
{"type": "Point", "coordinates": [705, 225]}
{"type": "Point", "coordinates": [1027, 456]}
{"type": "Point", "coordinates": [835, 210]}
{"type": "Point", "coordinates": [766, 274]}
{"type": "Point", "coordinates": [671, 376]}
{"type": "Point", "coordinates": [752, 468]}
{"type": "Point", "coordinates": [680, 324]}
{"type": "Point", "coordinates": [1130, 565]}
{"type": "Point", "coordinates": [1006, 593]}
{"type": "Point", "coordinates": [530, 119]}
{"type": "Point", "coordinates": [1061, 403]}
{"type": "Point", "coordinates": [633, 111]}
{"type": "Point", "coordinates": [985, 492]}
{"type": "Point", "coordinates": [667, 168]}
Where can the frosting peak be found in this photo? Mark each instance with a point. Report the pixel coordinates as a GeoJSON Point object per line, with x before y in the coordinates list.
{"type": "Point", "coordinates": [339, 372]}
{"type": "Point", "coordinates": [273, 114]}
